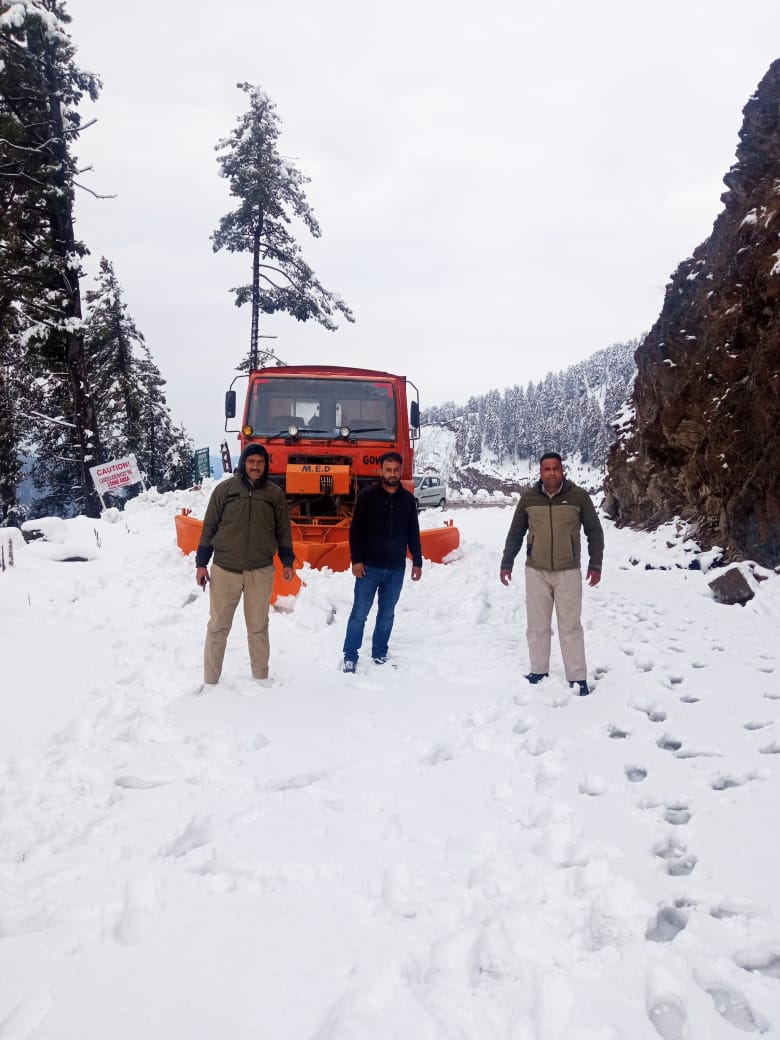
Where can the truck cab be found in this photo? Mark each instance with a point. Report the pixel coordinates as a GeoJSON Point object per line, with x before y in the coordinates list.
{"type": "Point", "coordinates": [325, 429]}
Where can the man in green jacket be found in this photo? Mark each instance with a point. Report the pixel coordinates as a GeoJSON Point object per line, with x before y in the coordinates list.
{"type": "Point", "coordinates": [549, 515]}
{"type": "Point", "coordinates": [246, 522]}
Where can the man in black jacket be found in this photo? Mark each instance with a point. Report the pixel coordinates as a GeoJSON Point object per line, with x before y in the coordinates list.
{"type": "Point", "coordinates": [383, 526]}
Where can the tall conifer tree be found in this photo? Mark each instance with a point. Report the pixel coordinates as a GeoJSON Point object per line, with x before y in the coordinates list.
{"type": "Point", "coordinates": [134, 416]}
{"type": "Point", "coordinates": [271, 192]}
{"type": "Point", "coordinates": [40, 266]}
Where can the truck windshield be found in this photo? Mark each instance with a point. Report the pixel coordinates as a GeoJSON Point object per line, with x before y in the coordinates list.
{"type": "Point", "coordinates": [320, 407]}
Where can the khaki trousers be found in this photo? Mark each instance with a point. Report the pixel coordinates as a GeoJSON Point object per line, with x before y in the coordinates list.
{"type": "Point", "coordinates": [563, 589]}
{"type": "Point", "coordinates": [226, 588]}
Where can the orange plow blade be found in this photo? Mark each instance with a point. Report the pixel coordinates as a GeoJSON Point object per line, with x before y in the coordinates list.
{"type": "Point", "coordinates": [437, 542]}
{"type": "Point", "coordinates": [187, 532]}
{"type": "Point", "coordinates": [320, 546]}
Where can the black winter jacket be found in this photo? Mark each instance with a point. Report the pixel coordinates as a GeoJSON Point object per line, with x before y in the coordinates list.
{"type": "Point", "coordinates": [383, 526]}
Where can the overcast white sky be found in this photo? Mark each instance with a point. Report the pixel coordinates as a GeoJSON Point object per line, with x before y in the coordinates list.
{"type": "Point", "coordinates": [503, 188]}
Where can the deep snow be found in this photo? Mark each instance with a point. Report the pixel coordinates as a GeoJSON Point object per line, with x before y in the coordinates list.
{"type": "Point", "coordinates": [431, 850]}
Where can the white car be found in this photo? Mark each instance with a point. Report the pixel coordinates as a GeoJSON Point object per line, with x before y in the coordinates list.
{"type": "Point", "coordinates": [429, 491]}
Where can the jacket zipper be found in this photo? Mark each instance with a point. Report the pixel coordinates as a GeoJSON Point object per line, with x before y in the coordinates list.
{"type": "Point", "coordinates": [248, 530]}
{"type": "Point", "coordinates": [552, 537]}
{"type": "Point", "coordinates": [392, 529]}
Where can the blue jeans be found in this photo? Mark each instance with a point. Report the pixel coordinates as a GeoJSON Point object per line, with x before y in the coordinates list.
{"type": "Point", "coordinates": [388, 584]}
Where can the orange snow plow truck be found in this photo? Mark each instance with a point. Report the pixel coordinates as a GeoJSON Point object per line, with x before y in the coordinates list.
{"type": "Point", "coordinates": [324, 428]}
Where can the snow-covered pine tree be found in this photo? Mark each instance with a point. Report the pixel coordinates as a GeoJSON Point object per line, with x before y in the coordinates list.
{"type": "Point", "coordinates": [40, 89]}
{"type": "Point", "coordinates": [12, 389]}
{"type": "Point", "coordinates": [12, 424]}
{"type": "Point", "coordinates": [56, 469]}
{"type": "Point", "coordinates": [114, 346]}
{"type": "Point", "coordinates": [270, 192]}
{"type": "Point", "coordinates": [592, 432]}
{"type": "Point", "coordinates": [490, 417]}
{"type": "Point", "coordinates": [134, 416]}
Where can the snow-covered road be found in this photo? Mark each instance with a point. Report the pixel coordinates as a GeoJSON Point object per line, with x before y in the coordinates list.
{"type": "Point", "coordinates": [431, 850]}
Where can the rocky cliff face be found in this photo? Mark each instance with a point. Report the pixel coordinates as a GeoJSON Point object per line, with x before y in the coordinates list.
{"type": "Point", "coordinates": [701, 439]}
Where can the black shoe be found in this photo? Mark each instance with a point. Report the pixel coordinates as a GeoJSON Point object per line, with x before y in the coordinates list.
{"type": "Point", "coordinates": [350, 666]}
{"type": "Point", "coordinates": [380, 660]}
{"type": "Point", "coordinates": [584, 689]}
{"type": "Point", "coordinates": [535, 677]}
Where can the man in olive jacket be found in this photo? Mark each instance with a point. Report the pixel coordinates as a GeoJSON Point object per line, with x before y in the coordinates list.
{"type": "Point", "coordinates": [246, 522]}
{"type": "Point", "coordinates": [549, 516]}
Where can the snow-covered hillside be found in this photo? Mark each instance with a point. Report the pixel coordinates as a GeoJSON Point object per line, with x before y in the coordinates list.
{"type": "Point", "coordinates": [570, 412]}
{"type": "Point", "coordinates": [432, 850]}
{"type": "Point", "coordinates": [490, 480]}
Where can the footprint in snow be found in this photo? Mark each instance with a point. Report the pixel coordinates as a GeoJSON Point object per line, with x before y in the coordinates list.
{"type": "Point", "coordinates": [725, 781]}
{"type": "Point", "coordinates": [616, 733]}
{"type": "Point", "coordinates": [666, 925]}
{"type": "Point", "coordinates": [689, 698]}
{"type": "Point", "coordinates": [679, 862]}
{"type": "Point", "coordinates": [668, 1018]}
{"type": "Point", "coordinates": [667, 742]}
{"type": "Point", "coordinates": [756, 725]}
{"type": "Point", "coordinates": [772, 695]}
{"type": "Point", "coordinates": [677, 815]}
{"type": "Point", "coordinates": [770, 749]}
{"type": "Point", "coordinates": [635, 774]}
{"type": "Point", "coordinates": [655, 714]}
{"type": "Point", "coordinates": [765, 963]}
{"type": "Point", "coordinates": [733, 1006]}
{"type": "Point", "coordinates": [682, 867]}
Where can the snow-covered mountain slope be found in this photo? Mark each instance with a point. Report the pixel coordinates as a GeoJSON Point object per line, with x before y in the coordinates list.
{"type": "Point", "coordinates": [489, 480]}
{"type": "Point", "coordinates": [433, 849]}
{"type": "Point", "coordinates": [571, 412]}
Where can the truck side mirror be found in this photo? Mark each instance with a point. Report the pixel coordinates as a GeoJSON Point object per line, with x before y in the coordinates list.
{"type": "Point", "coordinates": [414, 415]}
{"type": "Point", "coordinates": [230, 404]}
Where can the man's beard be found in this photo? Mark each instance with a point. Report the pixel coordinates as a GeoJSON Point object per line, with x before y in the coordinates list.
{"type": "Point", "coordinates": [391, 481]}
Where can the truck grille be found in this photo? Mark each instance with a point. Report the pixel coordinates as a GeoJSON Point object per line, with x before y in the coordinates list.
{"type": "Point", "coordinates": [320, 460]}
